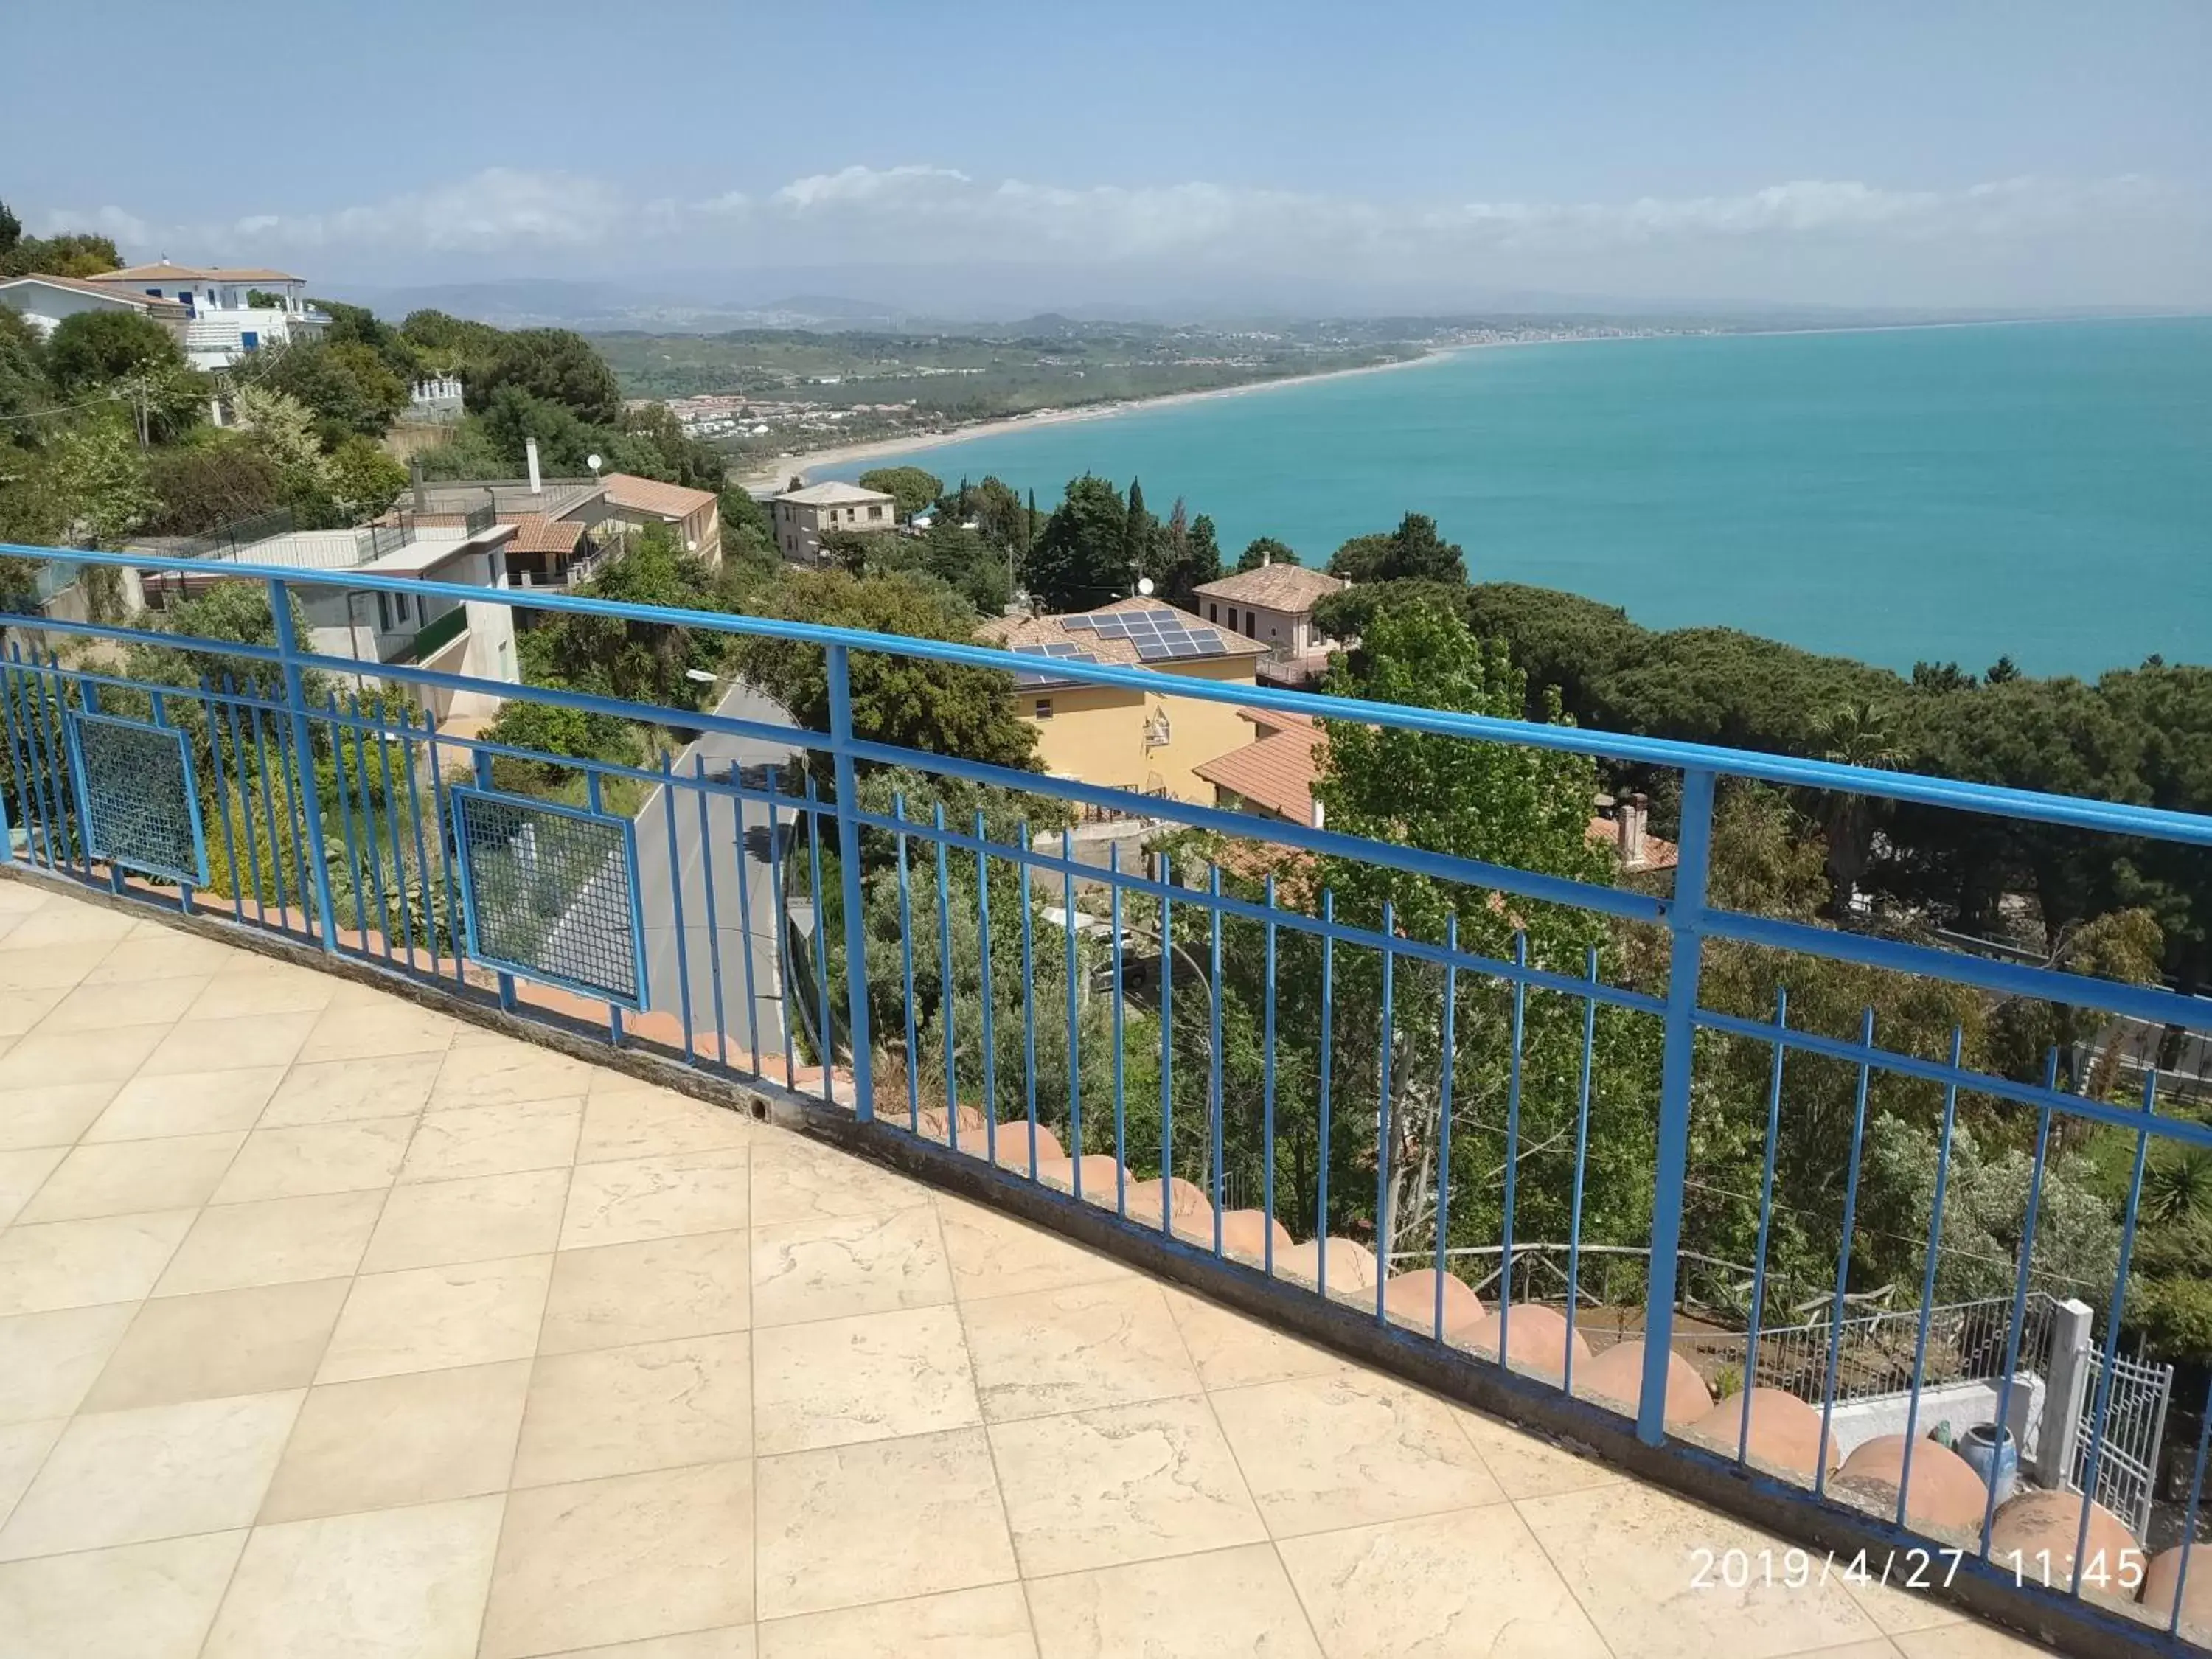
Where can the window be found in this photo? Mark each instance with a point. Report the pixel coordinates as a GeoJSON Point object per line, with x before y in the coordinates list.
{"type": "Point", "coordinates": [1212, 612]}
{"type": "Point", "coordinates": [248, 340]}
{"type": "Point", "coordinates": [1045, 708]}
{"type": "Point", "coordinates": [876, 511]}
{"type": "Point", "coordinates": [1232, 619]}
{"type": "Point", "coordinates": [1248, 624]}
{"type": "Point", "coordinates": [383, 613]}
{"type": "Point", "coordinates": [404, 607]}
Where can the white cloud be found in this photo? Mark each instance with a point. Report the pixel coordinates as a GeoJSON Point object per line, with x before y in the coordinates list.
{"type": "Point", "coordinates": [923, 214]}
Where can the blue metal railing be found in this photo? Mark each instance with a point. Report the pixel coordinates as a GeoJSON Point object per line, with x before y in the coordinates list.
{"type": "Point", "coordinates": [1366, 1056]}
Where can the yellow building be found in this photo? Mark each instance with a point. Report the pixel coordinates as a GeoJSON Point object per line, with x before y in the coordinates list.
{"type": "Point", "coordinates": [1114, 737]}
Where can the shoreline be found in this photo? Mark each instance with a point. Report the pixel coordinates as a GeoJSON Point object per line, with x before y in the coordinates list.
{"type": "Point", "coordinates": [769, 476]}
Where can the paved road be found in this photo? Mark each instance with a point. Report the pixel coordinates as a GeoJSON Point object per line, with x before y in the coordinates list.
{"type": "Point", "coordinates": [739, 852]}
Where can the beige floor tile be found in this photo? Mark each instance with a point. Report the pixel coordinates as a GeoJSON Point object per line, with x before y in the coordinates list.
{"type": "Point", "coordinates": [500, 1074]}
{"type": "Point", "coordinates": [47, 966]}
{"type": "Point", "coordinates": [841, 1266]}
{"type": "Point", "coordinates": [21, 1174]}
{"type": "Point", "coordinates": [161, 1472]}
{"type": "Point", "coordinates": [187, 1103]}
{"type": "Point", "coordinates": [614, 1294]}
{"type": "Point", "coordinates": [278, 1240]}
{"type": "Point", "coordinates": [839, 1382]}
{"type": "Point", "coordinates": [729, 1642]}
{"type": "Point", "coordinates": [488, 1140]}
{"type": "Point", "coordinates": [139, 1602]}
{"type": "Point", "coordinates": [656, 1198]}
{"type": "Point", "coordinates": [1228, 1602]}
{"type": "Point", "coordinates": [1437, 1587]}
{"type": "Point", "coordinates": [989, 1622]}
{"type": "Point", "coordinates": [442, 1222]}
{"type": "Point", "coordinates": [428, 1318]}
{"type": "Point", "coordinates": [1896, 1611]}
{"type": "Point", "coordinates": [994, 1254]}
{"type": "Point", "coordinates": [130, 1177]}
{"type": "Point", "coordinates": [23, 1447]}
{"type": "Point", "coordinates": [224, 1342]}
{"type": "Point", "coordinates": [344, 1092]}
{"type": "Point", "coordinates": [82, 1264]}
{"type": "Point", "coordinates": [1231, 1350]}
{"type": "Point", "coordinates": [51, 1115]}
{"type": "Point", "coordinates": [421, 1437]}
{"type": "Point", "coordinates": [642, 1121]}
{"type": "Point", "coordinates": [259, 987]}
{"type": "Point", "coordinates": [375, 1028]}
{"type": "Point", "coordinates": [208, 1045]}
{"type": "Point", "coordinates": [49, 1361]}
{"type": "Point", "coordinates": [1625, 1550]}
{"type": "Point", "coordinates": [881, 1522]}
{"type": "Point", "coordinates": [102, 1005]}
{"type": "Point", "coordinates": [162, 956]}
{"type": "Point", "coordinates": [23, 1011]}
{"type": "Point", "coordinates": [622, 1559]}
{"type": "Point", "coordinates": [1527, 1465]}
{"type": "Point", "coordinates": [71, 922]}
{"type": "Point", "coordinates": [1112, 1344]}
{"type": "Point", "coordinates": [1130, 1483]}
{"type": "Point", "coordinates": [1321, 1452]}
{"type": "Point", "coordinates": [798, 1180]}
{"type": "Point", "coordinates": [318, 1158]}
{"type": "Point", "coordinates": [399, 1583]}
{"type": "Point", "coordinates": [45, 1059]}
{"type": "Point", "coordinates": [1963, 1640]}
{"type": "Point", "coordinates": [623, 1410]}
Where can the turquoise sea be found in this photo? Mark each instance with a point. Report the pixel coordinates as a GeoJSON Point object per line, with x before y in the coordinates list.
{"type": "Point", "coordinates": [2040, 490]}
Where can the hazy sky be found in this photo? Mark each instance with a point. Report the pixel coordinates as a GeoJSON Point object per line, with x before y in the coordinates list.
{"type": "Point", "coordinates": [2012, 152]}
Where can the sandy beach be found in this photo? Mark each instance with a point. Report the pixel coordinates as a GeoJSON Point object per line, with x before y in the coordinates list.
{"type": "Point", "coordinates": [775, 473]}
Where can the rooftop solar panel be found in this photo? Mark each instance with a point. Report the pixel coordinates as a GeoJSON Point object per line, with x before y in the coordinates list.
{"type": "Point", "coordinates": [1149, 651]}
{"type": "Point", "coordinates": [1206, 637]}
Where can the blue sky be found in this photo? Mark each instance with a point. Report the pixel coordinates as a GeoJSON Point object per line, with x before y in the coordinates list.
{"type": "Point", "coordinates": [2012, 152]}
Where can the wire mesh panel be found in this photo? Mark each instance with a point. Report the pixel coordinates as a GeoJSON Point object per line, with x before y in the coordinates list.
{"type": "Point", "coordinates": [139, 800]}
{"type": "Point", "coordinates": [551, 893]}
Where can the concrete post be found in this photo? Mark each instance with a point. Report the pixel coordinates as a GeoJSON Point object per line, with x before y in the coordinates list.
{"type": "Point", "coordinates": [2067, 1370]}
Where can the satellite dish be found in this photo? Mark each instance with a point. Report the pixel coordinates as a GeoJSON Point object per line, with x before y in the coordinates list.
{"type": "Point", "coordinates": [1145, 586]}
{"type": "Point", "coordinates": [592, 462]}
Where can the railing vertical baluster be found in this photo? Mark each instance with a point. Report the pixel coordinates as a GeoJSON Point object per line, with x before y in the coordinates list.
{"type": "Point", "coordinates": [2100, 1418]}
{"type": "Point", "coordinates": [36, 832]}
{"type": "Point", "coordinates": [484, 781]}
{"type": "Point", "coordinates": [823, 1029]}
{"type": "Point", "coordinates": [1512, 1149]}
{"type": "Point", "coordinates": [296, 700]}
{"type": "Point", "coordinates": [945, 969]}
{"type": "Point", "coordinates": [848, 862]}
{"type": "Point", "coordinates": [1267, 1096]}
{"type": "Point", "coordinates": [1029, 996]}
{"type": "Point", "coordinates": [2019, 1279]}
{"type": "Point", "coordinates": [990, 1033]}
{"type": "Point", "coordinates": [745, 935]}
{"type": "Point", "coordinates": [383, 739]}
{"type": "Point", "coordinates": [906, 963]}
{"type": "Point", "coordinates": [1120, 1101]}
{"type": "Point", "coordinates": [1582, 1167]}
{"type": "Point", "coordinates": [1765, 1221]}
{"type": "Point", "coordinates": [371, 853]}
{"type": "Point", "coordinates": [246, 813]}
{"type": "Point", "coordinates": [1383, 1119]}
{"type": "Point", "coordinates": [54, 717]}
{"type": "Point", "coordinates": [222, 798]}
{"type": "Point", "coordinates": [781, 885]}
{"type": "Point", "coordinates": [1167, 1045]}
{"type": "Point", "coordinates": [2189, 1517]}
{"type": "Point", "coordinates": [1074, 1031]}
{"type": "Point", "coordinates": [1444, 1116]}
{"type": "Point", "coordinates": [1685, 921]}
{"type": "Point", "coordinates": [422, 888]}
{"type": "Point", "coordinates": [684, 921]}
{"type": "Point", "coordinates": [1928, 1277]}
{"type": "Point", "coordinates": [1215, 1071]}
{"type": "Point", "coordinates": [42, 768]}
{"type": "Point", "coordinates": [714, 916]}
{"type": "Point", "coordinates": [1322, 1082]}
{"type": "Point", "coordinates": [453, 929]}
{"type": "Point", "coordinates": [595, 800]}
{"type": "Point", "coordinates": [345, 815]}
{"type": "Point", "coordinates": [269, 792]}
{"type": "Point", "coordinates": [1843, 1256]}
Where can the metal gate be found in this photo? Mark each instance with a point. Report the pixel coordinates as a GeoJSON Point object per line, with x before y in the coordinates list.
{"type": "Point", "coordinates": [2135, 1425]}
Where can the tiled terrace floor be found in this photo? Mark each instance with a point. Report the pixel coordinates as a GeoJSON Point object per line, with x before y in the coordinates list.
{"type": "Point", "coordinates": [330, 1327]}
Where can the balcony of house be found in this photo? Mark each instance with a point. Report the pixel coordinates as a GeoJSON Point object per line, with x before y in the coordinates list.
{"type": "Point", "coordinates": [478, 1200]}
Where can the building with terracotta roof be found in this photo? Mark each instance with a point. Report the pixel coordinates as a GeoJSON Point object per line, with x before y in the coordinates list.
{"type": "Point", "coordinates": [694, 515]}
{"type": "Point", "coordinates": [1150, 741]}
{"type": "Point", "coordinates": [800, 516]}
{"type": "Point", "coordinates": [230, 311]}
{"type": "Point", "coordinates": [1274, 606]}
{"type": "Point", "coordinates": [44, 300]}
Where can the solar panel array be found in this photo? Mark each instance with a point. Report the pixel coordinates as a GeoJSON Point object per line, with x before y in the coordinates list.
{"type": "Point", "coordinates": [1059, 653]}
{"type": "Point", "coordinates": [1160, 635]}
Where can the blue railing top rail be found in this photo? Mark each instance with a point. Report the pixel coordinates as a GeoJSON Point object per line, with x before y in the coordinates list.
{"type": "Point", "coordinates": [2114, 818]}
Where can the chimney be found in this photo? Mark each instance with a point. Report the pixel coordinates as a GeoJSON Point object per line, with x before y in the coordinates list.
{"type": "Point", "coordinates": [1630, 818]}
{"type": "Point", "coordinates": [529, 453]}
{"type": "Point", "coordinates": [415, 477]}
{"type": "Point", "coordinates": [1266, 558]}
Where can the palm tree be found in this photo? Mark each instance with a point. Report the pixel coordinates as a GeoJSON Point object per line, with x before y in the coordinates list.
{"type": "Point", "coordinates": [1855, 733]}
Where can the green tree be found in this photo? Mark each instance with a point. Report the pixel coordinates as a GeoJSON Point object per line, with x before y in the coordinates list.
{"type": "Point", "coordinates": [1081, 556]}
{"type": "Point", "coordinates": [1000, 518]}
{"type": "Point", "coordinates": [23, 386]}
{"type": "Point", "coordinates": [364, 477]}
{"type": "Point", "coordinates": [99, 473]}
{"type": "Point", "coordinates": [637, 661]}
{"type": "Point", "coordinates": [91, 349]}
{"type": "Point", "coordinates": [1413, 551]}
{"type": "Point", "coordinates": [1263, 551]}
{"type": "Point", "coordinates": [556, 366]}
{"type": "Point", "coordinates": [72, 255]}
{"type": "Point", "coordinates": [281, 429]}
{"type": "Point", "coordinates": [1860, 734]}
{"type": "Point", "coordinates": [653, 444]}
{"type": "Point", "coordinates": [1141, 533]}
{"type": "Point", "coordinates": [203, 485]}
{"type": "Point", "coordinates": [346, 386]}
{"type": "Point", "coordinates": [910, 488]}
